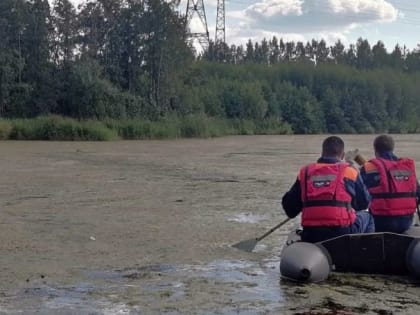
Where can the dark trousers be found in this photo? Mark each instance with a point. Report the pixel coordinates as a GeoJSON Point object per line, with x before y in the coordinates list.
{"type": "Point", "coordinates": [363, 224]}
{"type": "Point", "coordinates": [395, 224]}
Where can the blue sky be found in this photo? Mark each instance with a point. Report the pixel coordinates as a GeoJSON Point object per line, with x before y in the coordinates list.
{"type": "Point", "coordinates": [392, 21]}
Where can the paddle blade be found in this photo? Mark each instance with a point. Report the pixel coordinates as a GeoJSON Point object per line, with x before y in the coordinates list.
{"type": "Point", "coordinates": [247, 245]}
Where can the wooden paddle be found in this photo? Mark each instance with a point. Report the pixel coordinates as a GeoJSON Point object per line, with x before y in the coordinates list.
{"type": "Point", "coordinates": [249, 245]}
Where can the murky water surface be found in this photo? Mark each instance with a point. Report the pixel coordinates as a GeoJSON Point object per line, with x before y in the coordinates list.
{"type": "Point", "coordinates": [246, 286]}
{"type": "Point", "coordinates": [235, 287]}
{"type": "Point", "coordinates": [145, 227]}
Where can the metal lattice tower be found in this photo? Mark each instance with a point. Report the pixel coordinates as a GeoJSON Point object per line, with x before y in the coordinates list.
{"type": "Point", "coordinates": [197, 7]}
{"type": "Point", "coordinates": [220, 39]}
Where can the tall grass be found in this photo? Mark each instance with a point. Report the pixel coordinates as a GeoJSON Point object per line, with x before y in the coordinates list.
{"type": "Point", "coordinates": [61, 128]}
{"type": "Point", "coordinates": [5, 129]}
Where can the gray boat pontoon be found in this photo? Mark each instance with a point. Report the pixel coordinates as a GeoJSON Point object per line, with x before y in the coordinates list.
{"type": "Point", "coordinates": [374, 253]}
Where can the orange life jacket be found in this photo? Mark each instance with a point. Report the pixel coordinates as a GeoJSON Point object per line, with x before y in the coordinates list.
{"type": "Point", "coordinates": [396, 193]}
{"type": "Point", "coordinates": [325, 199]}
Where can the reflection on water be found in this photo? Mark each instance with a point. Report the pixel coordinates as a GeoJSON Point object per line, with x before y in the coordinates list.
{"type": "Point", "coordinates": [60, 300]}
{"type": "Point", "coordinates": [247, 218]}
{"type": "Point", "coordinates": [221, 287]}
{"type": "Point", "coordinates": [236, 285]}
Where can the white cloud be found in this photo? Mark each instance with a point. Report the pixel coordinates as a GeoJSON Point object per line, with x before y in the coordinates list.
{"type": "Point", "coordinates": [309, 16]}
{"type": "Point", "coordinates": [375, 10]}
{"type": "Point", "coordinates": [303, 20]}
{"type": "Point", "coordinates": [274, 8]}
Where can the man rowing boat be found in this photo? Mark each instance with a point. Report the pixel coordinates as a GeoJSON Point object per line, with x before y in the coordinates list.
{"type": "Point", "coordinates": [331, 196]}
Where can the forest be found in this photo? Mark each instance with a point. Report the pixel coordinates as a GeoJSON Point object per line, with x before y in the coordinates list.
{"type": "Point", "coordinates": [125, 69]}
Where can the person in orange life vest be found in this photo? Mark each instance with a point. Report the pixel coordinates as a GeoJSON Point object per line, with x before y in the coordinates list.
{"type": "Point", "coordinates": [393, 186]}
{"type": "Point", "coordinates": [327, 193]}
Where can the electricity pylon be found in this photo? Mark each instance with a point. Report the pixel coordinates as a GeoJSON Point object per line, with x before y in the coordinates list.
{"type": "Point", "coordinates": [197, 7]}
{"type": "Point", "coordinates": [220, 38]}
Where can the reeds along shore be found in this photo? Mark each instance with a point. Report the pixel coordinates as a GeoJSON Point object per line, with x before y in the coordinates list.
{"type": "Point", "coordinates": [61, 128]}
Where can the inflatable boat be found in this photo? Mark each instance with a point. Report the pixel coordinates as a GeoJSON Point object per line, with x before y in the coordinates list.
{"type": "Point", "coordinates": [373, 253]}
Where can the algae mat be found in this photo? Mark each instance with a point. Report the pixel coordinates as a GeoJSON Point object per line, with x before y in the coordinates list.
{"type": "Point", "coordinates": [145, 227]}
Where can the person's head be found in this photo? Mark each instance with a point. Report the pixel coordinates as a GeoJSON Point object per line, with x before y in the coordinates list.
{"type": "Point", "coordinates": [383, 144]}
{"type": "Point", "coordinates": [333, 147]}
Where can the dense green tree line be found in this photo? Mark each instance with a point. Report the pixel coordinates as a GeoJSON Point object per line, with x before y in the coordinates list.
{"type": "Point", "coordinates": [130, 59]}
{"type": "Point", "coordinates": [325, 98]}
{"type": "Point", "coordinates": [110, 58]}
{"type": "Point", "coordinates": [360, 55]}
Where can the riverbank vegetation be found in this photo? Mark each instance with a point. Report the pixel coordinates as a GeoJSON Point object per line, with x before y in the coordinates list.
{"type": "Point", "coordinates": [124, 69]}
{"type": "Point", "coordinates": [61, 128]}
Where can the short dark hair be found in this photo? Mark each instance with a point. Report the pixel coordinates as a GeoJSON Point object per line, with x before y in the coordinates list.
{"type": "Point", "coordinates": [332, 146]}
{"type": "Point", "coordinates": [383, 143]}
